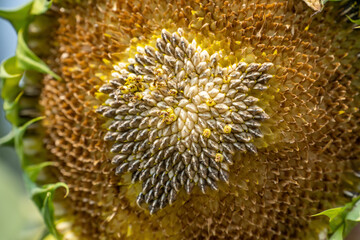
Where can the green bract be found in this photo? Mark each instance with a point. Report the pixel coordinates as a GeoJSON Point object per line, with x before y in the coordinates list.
{"type": "Point", "coordinates": [342, 219]}
{"type": "Point", "coordinates": [12, 71]}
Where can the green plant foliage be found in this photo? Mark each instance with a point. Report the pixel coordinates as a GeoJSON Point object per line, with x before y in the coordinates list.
{"type": "Point", "coordinates": [17, 17]}
{"type": "Point", "coordinates": [8, 140]}
{"type": "Point", "coordinates": [27, 60]}
{"type": "Point", "coordinates": [20, 19]}
{"type": "Point", "coordinates": [40, 6]}
{"type": "Point", "coordinates": [34, 169]}
{"type": "Point", "coordinates": [354, 214]}
{"type": "Point", "coordinates": [9, 68]}
{"type": "Point", "coordinates": [12, 71]}
{"type": "Point", "coordinates": [338, 234]}
{"type": "Point", "coordinates": [43, 199]}
{"type": "Point", "coordinates": [19, 218]}
{"type": "Point", "coordinates": [357, 21]}
{"type": "Point", "coordinates": [11, 92]}
{"type": "Point", "coordinates": [21, 16]}
{"type": "Point", "coordinates": [342, 219]}
{"type": "Point", "coordinates": [19, 134]}
{"type": "Point", "coordinates": [41, 195]}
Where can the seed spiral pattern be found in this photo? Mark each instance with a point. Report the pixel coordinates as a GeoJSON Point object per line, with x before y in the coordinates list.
{"type": "Point", "coordinates": [178, 117]}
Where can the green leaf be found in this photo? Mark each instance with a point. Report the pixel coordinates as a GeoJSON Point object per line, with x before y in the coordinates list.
{"type": "Point", "coordinates": [331, 213]}
{"type": "Point", "coordinates": [48, 213]}
{"type": "Point", "coordinates": [19, 134]}
{"type": "Point", "coordinates": [40, 6]}
{"type": "Point", "coordinates": [9, 68]}
{"type": "Point", "coordinates": [27, 60]}
{"type": "Point", "coordinates": [17, 17]}
{"type": "Point", "coordinates": [354, 214]}
{"type": "Point", "coordinates": [338, 234]}
{"type": "Point", "coordinates": [20, 17]}
{"type": "Point", "coordinates": [357, 21]}
{"type": "Point", "coordinates": [34, 170]}
{"type": "Point", "coordinates": [336, 216]}
{"type": "Point", "coordinates": [8, 139]}
{"type": "Point", "coordinates": [10, 75]}
{"type": "Point", "coordinates": [11, 72]}
{"type": "Point", "coordinates": [11, 106]}
{"type": "Point", "coordinates": [342, 219]}
{"type": "Point", "coordinates": [38, 193]}
{"type": "Point", "coordinates": [43, 198]}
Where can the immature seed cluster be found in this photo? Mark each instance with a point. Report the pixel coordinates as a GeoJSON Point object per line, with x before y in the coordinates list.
{"type": "Point", "coordinates": [179, 117]}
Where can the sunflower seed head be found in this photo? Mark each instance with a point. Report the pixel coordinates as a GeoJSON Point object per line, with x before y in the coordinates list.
{"type": "Point", "coordinates": [182, 117]}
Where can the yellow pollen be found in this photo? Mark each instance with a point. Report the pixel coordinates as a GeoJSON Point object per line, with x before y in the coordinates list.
{"type": "Point", "coordinates": [226, 79]}
{"type": "Point", "coordinates": [159, 71]}
{"type": "Point", "coordinates": [107, 35]}
{"type": "Point", "coordinates": [206, 132]}
{"type": "Point", "coordinates": [210, 102]}
{"type": "Point", "coordinates": [138, 95]}
{"type": "Point", "coordinates": [132, 88]}
{"type": "Point", "coordinates": [219, 157]}
{"type": "Point", "coordinates": [163, 114]}
{"type": "Point", "coordinates": [131, 77]}
{"type": "Point", "coordinates": [124, 89]}
{"type": "Point", "coordinates": [160, 84]}
{"type": "Point", "coordinates": [107, 62]}
{"type": "Point", "coordinates": [172, 92]}
{"type": "Point", "coordinates": [141, 87]}
{"type": "Point", "coordinates": [152, 87]}
{"type": "Point", "coordinates": [227, 129]}
{"type": "Point", "coordinates": [170, 119]}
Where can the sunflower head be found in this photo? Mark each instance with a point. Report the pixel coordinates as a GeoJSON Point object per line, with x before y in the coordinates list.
{"type": "Point", "coordinates": [200, 119]}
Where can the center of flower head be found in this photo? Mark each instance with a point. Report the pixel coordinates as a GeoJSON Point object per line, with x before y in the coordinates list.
{"type": "Point", "coordinates": [178, 117]}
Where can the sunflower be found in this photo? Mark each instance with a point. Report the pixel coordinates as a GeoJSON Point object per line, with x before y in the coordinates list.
{"type": "Point", "coordinates": [187, 119]}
